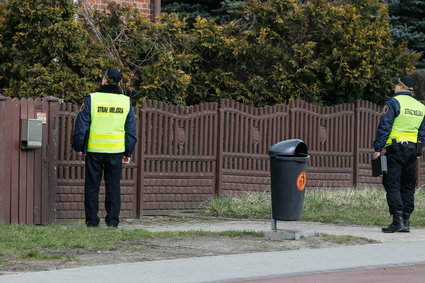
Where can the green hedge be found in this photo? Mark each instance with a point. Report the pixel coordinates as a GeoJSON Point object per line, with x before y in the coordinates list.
{"type": "Point", "coordinates": [324, 52]}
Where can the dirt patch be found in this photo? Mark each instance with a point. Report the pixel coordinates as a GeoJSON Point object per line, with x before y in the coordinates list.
{"type": "Point", "coordinates": [169, 248]}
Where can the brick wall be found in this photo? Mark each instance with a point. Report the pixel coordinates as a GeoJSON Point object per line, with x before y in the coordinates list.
{"type": "Point", "coordinates": [145, 6]}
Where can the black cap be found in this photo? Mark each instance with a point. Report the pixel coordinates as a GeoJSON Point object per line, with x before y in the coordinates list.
{"type": "Point", "coordinates": [407, 82]}
{"type": "Point", "coordinates": [113, 75]}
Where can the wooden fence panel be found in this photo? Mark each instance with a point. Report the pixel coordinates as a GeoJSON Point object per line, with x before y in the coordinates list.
{"type": "Point", "coordinates": [38, 173]}
{"type": "Point", "coordinates": [5, 161]}
{"type": "Point", "coordinates": [22, 185]}
{"type": "Point", "coordinates": [14, 112]}
{"type": "Point", "coordinates": [28, 218]}
{"type": "Point", "coordinates": [52, 157]}
{"type": "Point", "coordinates": [27, 191]}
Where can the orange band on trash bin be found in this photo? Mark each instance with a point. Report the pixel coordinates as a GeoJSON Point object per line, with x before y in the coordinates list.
{"type": "Point", "coordinates": [301, 181]}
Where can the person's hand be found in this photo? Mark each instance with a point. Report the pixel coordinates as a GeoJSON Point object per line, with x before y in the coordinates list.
{"type": "Point", "coordinates": [126, 160]}
{"type": "Point", "coordinates": [80, 153]}
{"type": "Point", "coordinates": [376, 155]}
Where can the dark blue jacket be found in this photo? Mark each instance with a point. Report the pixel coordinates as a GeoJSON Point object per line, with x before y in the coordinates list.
{"type": "Point", "coordinates": [390, 111]}
{"type": "Point", "coordinates": [83, 121]}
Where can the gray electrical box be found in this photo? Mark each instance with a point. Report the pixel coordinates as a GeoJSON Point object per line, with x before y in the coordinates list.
{"type": "Point", "coordinates": [31, 133]}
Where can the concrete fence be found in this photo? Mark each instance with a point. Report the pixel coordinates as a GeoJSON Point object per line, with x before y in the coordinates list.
{"type": "Point", "coordinates": [185, 155]}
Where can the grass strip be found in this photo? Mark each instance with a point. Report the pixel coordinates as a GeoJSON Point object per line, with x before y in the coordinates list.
{"type": "Point", "coordinates": [29, 241]}
{"type": "Point", "coordinates": [348, 206]}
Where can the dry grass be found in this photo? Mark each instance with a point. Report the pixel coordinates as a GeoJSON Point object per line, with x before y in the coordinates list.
{"type": "Point", "coordinates": [350, 206]}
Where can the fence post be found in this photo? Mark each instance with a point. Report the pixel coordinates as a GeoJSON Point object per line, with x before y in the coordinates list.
{"type": "Point", "coordinates": [141, 158]}
{"type": "Point", "coordinates": [356, 153]}
{"type": "Point", "coordinates": [52, 155]}
{"type": "Point", "coordinates": [219, 144]}
{"type": "Point", "coordinates": [290, 131]}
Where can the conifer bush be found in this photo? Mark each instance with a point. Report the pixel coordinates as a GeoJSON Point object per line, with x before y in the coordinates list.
{"type": "Point", "coordinates": [275, 51]}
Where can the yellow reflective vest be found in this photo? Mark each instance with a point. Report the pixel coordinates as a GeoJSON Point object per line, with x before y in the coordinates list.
{"type": "Point", "coordinates": [407, 123]}
{"type": "Point", "coordinates": [108, 115]}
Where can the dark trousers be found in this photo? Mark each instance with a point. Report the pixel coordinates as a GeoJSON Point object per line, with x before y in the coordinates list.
{"type": "Point", "coordinates": [400, 181]}
{"type": "Point", "coordinates": [110, 165]}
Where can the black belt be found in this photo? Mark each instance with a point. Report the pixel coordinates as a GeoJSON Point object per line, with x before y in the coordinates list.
{"type": "Point", "coordinates": [403, 145]}
{"type": "Point", "coordinates": [406, 142]}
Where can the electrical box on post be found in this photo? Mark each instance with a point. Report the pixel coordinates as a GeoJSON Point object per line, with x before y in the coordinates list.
{"type": "Point", "coordinates": [31, 133]}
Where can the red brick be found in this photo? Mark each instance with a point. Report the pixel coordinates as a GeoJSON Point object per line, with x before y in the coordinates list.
{"type": "Point", "coordinates": [142, 5]}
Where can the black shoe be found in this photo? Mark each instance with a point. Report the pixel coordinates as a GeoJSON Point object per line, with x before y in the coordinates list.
{"type": "Point", "coordinates": [397, 225]}
{"type": "Point", "coordinates": [92, 223]}
{"type": "Point", "coordinates": [406, 221]}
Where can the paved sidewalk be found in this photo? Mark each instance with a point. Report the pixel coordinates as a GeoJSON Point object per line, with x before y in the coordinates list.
{"type": "Point", "coordinates": [369, 232]}
{"type": "Point", "coordinates": [395, 250]}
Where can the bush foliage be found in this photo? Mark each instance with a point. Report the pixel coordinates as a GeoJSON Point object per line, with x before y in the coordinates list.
{"type": "Point", "coordinates": [44, 51]}
{"type": "Point", "coordinates": [324, 52]}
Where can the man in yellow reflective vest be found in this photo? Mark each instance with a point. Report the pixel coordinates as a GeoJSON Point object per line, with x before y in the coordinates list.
{"type": "Point", "coordinates": [105, 130]}
{"type": "Point", "coordinates": [401, 131]}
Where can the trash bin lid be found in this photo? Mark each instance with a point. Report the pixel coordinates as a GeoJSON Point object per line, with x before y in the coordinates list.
{"type": "Point", "coordinates": [294, 147]}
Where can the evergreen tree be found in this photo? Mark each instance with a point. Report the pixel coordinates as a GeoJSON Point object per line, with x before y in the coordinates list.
{"type": "Point", "coordinates": [221, 11]}
{"type": "Point", "coordinates": [407, 18]}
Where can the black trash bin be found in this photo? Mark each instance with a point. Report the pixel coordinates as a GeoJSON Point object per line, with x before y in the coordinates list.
{"type": "Point", "coordinates": [288, 166]}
